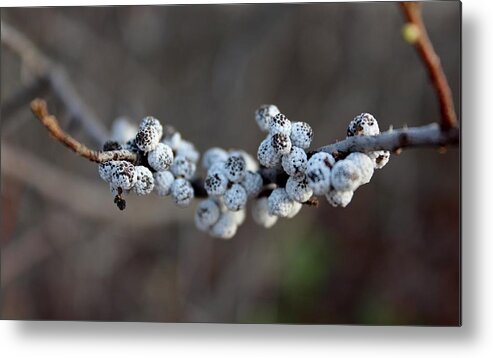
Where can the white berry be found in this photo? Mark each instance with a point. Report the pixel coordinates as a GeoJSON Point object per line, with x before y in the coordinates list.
{"type": "Point", "coordinates": [105, 169]}
{"type": "Point", "coordinates": [281, 143]}
{"type": "Point", "coordinates": [152, 122]}
{"type": "Point", "coordinates": [162, 182]}
{"type": "Point", "coordinates": [318, 172]}
{"type": "Point", "coordinates": [212, 156]}
{"type": "Point", "coordinates": [279, 203]}
{"type": "Point", "coordinates": [363, 124]}
{"type": "Point", "coordinates": [252, 182]}
{"type": "Point", "coordinates": [123, 174]}
{"type": "Point", "coordinates": [183, 167]}
{"type": "Point", "coordinates": [235, 168]}
{"type": "Point", "coordinates": [145, 181]}
{"type": "Point", "coordinates": [301, 134]}
{"type": "Point", "coordinates": [380, 158]}
{"type": "Point", "coordinates": [339, 198]}
{"type": "Point", "coordinates": [147, 138]}
{"type": "Point", "coordinates": [122, 130]}
{"type": "Point", "coordinates": [235, 197]}
{"type": "Point", "coordinates": [206, 214]}
{"type": "Point", "coordinates": [161, 157]}
{"type": "Point", "coordinates": [182, 192]}
{"type": "Point", "coordinates": [295, 162]}
{"type": "Point", "coordinates": [250, 162]}
{"type": "Point", "coordinates": [295, 210]}
{"type": "Point", "coordinates": [225, 227]}
{"type": "Point", "coordinates": [365, 165]}
{"type": "Point", "coordinates": [298, 189]}
{"type": "Point", "coordinates": [188, 150]}
{"type": "Point", "coordinates": [216, 182]}
{"type": "Point", "coordinates": [345, 176]}
{"type": "Point", "coordinates": [280, 124]}
{"type": "Point", "coordinates": [264, 115]}
{"type": "Point", "coordinates": [266, 154]}
{"type": "Point", "coordinates": [261, 215]}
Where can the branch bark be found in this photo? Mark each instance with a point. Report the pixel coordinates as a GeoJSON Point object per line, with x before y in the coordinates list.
{"type": "Point", "coordinates": [412, 12]}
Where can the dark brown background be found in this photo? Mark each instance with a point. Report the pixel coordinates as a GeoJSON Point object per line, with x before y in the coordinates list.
{"type": "Point", "coordinates": [391, 257]}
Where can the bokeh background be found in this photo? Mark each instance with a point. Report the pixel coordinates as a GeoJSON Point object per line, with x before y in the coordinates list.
{"type": "Point", "coordinates": [391, 257]}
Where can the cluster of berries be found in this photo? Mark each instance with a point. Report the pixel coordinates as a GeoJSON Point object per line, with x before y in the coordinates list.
{"type": "Point", "coordinates": [320, 174]}
{"type": "Point", "coordinates": [165, 162]}
{"type": "Point", "coordinates": [232, 177]}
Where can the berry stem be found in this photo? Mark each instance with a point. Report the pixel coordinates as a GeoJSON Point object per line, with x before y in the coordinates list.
{"type": "Point", "coordinates": [412, 13]}
{"type": "Point", "coordinates": [40, 110]}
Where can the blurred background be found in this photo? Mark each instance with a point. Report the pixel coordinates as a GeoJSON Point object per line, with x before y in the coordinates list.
{"type": "Point", "coordinates": [391, 257]}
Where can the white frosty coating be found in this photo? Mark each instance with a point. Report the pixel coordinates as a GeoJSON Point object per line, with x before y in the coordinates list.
{"type": "Point", "coordinates": [363, 124]}
{"type": "Point", "coordinates": [188, 150]}
{"type": "Point", "coordinates": [250, 162]}
{"type": "Point", "coordinates": [301, 134]}
{"type": "Point", "coordinates": [183, 167]}
{"type": "Point", "coordinates": [252, 182]}
{"type": "Point", "coordinates": [235, 168]}
{"type": "Point", "coordinates": [216, 182]}
{"type": "Point", "coordinates": [182, 192]}
{"type": "Point", "coordinates": [345, 176]}
{"type": "Point", "coordinates": [235, 197]}
{"type": "Point", "coordinates": [339, 198]}
{"type": "Point", "coordinates": [206, 214]}
{"type": "Point", "coordinates": [123, 174]}
{"type": "Point", "coordinates": [318, 172]}
{"type": "Point", "coordinates": [147, 138]}
{"type": "Point", "coordinates": [212, 156]}
{"type": "Point", "coordinates": [145, 181]}
{"type": "Point", "coordinates": [173, 140]}
{"type": "Point", "coordinates": [266, 154]}
{"type": "Point", "coordinates": [365, 165]}
{"type": "Point", "coordinates": [225, 227]}
{"type": "Point", "coordinates": [122, 130]}
{"type": "Point", "coordinates": [152, 122]}
{"type": "Point", "coordinates": [322, 157]}
{"type": "Point", "coordinates": [264, 115]}
{"type": "Point", "coordinates": [380, 158]}
{"type": "Point", "coordinates": [161, 157]}
{"type": "Point", "coordinates": [281, 143]}
{"type": "Point", "coordinates": [295, 162]}
{"type": "Point", "coordinates": [260, 213]}
{"type": "Point", "coordinates": [105, 170]}
{"type": "Point", "coordinates": [239, 216]}
{"type": "Point", "coordinates": [298, 189]}
{"type": "Point", "coordinates": [279, 203]}
{"type": "Point", "coordinates": [280, 124]}
{"type": "Point", "coordinates": [295, 210]}
{"type": "Point", "coordinates": [162, 182]}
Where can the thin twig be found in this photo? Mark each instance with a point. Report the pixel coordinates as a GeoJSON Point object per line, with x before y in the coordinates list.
{"type": "Point", "coordinates": [40, 110]}
{"type": "Point", "coordinates": [412, 12]}
{"type": "Point", "coordinates": [42, 67]}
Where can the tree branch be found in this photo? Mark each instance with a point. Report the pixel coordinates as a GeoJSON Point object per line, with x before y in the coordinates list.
{"type": "Point", "coordinates": [57, 80]}
{"type": "Point", "coordinates": [412, 12]}
{"type": "Point", "coordinates": [40, 110]}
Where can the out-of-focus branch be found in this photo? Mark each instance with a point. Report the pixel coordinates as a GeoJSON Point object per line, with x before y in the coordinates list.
{"type": "Point", "coordinates": [420, 39]}
{"type": "Point", "coordinates": [45, 70]}
{"type": "Point", "coordinates": [430, 135]}
{"type": "Point", "coordinates": [40, 110]}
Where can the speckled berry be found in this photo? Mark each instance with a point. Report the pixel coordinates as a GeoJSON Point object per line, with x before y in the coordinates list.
{"type": "Point", "coordinates": [225, 227]}
{"type": "Point", "coordinates": [281, 143]}
{"type": "Point", "coordinates": [152, 122]}
{"type": "Point", "coordinates": [250, 162]}
{"type": "Point", "coordinates": [295, 162]}
{"type": "Point", "coordinates": [298, 189]}
{"type": "Point", "coordinates": [123, 174]}
{"type": "Point", "coordinates": [380, 158]}
{"type": "Point", "coordinates": [339, 198]}
{"type": "Point", "coordinates": [235, 197]}
{"type": "Point", "coordinates": [280, 124]}
{"type": "Point", "coordinates": [235, 168]}
{"type": "Point", "coordinates": [206, 214]}
{"type": "Point", "coordinates": [266, 154]}
{"type": "Point", "coordinates": [182, 167]}
{"type": "Point", "coordinates": [145, 181]}
{"type": "Point", "coordinates": [363, 124]}
{"type": "Point", "coordinates": [161, 157]}
{"type": "Point", "coordinates": [301, 134]}
{"type": "Point", "coordinates": [295, 210]}
{"type": "Point", "coordinates": [318, 172]}
{"type": "Point", "coordinates": [188, 150]}
{"type": "Point", "coordinates": [365, 165]}
{"type": "Point", "coordinates": [279, 203]}
{"type": "Point", "coordinates": [264, 115]}
{"type": "Point", "coordinates": [105, 169]}
{"type": "Point", "coordinates": [147, 138]}
{"type": "Point", "coordinates": [252, 182]}
{"type": "Point", "coordinates": [345, 176]}
{"type": "Point", "coordinates": [162, 182]}
{"type": "Point", "coordinates": [216, 182]}
{"type": "Point", "coordinates": [261, 215]}
{"type": "Point", "coordinates": [213, 155]}
{"type": "Point", "coordinates": [182, 192]}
